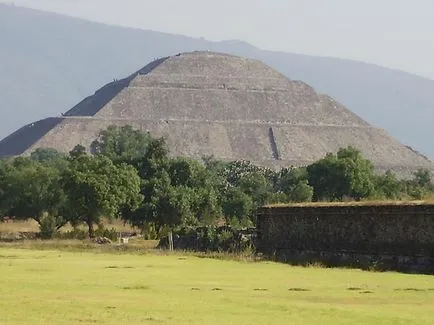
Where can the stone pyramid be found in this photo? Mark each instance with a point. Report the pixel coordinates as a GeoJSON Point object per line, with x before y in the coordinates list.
{"type": "Point", "coordinates": [230, 107]}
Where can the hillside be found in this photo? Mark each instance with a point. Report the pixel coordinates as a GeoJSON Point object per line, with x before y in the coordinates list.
{"type": "Point", "coordinates": [49, 62]}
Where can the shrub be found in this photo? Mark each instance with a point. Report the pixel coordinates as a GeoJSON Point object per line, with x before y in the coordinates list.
{"type": "Point", "coordinates": [211, 239]}
{"type": "Point", "coordinates": [111, 234]}
{"type": "Point", "coordinates": [149, 231]}
{"type": "Point", "coordinates": [75, 233]}
{"type": "Point", "coordinates": [48, 226]}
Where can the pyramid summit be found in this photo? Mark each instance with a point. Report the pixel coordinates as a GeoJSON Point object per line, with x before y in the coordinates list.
{"type": "Point", "coordinates": [207, 103]}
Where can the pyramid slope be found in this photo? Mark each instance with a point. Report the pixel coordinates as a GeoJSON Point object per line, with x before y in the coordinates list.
{"type": "Point", "coordinates": [213, 87]}
{"type": "Point", "coordinates": [26, 137]}
{"type": "Point", "coordinates": [93, 104]}
{"type": "Point", "coordinates": [208, 103]}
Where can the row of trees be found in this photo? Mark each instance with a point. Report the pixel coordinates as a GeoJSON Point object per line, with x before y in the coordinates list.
{"type": "Point", "coordinates": [130, 175]}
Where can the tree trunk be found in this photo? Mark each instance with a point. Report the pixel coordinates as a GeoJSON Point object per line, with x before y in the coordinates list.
{"type": "Point", "coordinates": [90, 227]}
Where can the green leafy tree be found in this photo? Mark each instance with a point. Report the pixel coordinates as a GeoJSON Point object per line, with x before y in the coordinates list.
{"type": "Point", "coordinates": [97, 188]}
{"type": "Point", "coordinates": [420, 186]}
{"type": "Point", "coordinates": [155, 188]}
{"type": "Point", "coordinates": [294, 183]}
{"type": "Point", "coordinates": [5, 184]}
{"type": "Point", "coordinates": [359, 171]}
{"type": "Point", "coordinates": [217, 176]}
{"type": "Point", "coordinates": [388, 186]}
{"type": "Point", "coordinates": [46, 155]}
{"type": "Point", "coordinates": [176, 191]}
{"type": "Point", "coordinates": [32, 190]}
{"type": "Point", "coordinates": [423, 178]}
{"type": "Point", "coordinates": [237, 205]}
{"type": "Point", "coordinates": [277, 198]}
{"type": "Point", "coordinates": [121, 143]}
{"type": "Point", "coordinates": [204, 200]}
{"type": "Point", "coordinates": [327, 178]}
{"type": "Point", "coordinates": [187, 172]}
{"type": "Point", "coordinates": [235, 170]}
{"type": "Point", "coordinates": [346, 174]}
{"type": "Point", "coordinates": [77, 151]}
{"type": "Point", "coordinates": [257, 186]}
{"type": "Point", "coordinates": [290, 177]}
{"type": "Point", "coordinates": [301, 192]}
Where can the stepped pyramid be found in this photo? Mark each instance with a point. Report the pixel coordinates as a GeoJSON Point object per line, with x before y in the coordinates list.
{"type": "Point", "coordinates": [230, 107]}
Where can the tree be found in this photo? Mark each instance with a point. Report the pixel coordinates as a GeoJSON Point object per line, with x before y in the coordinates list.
{"type": "Point", "coordinates": [346, 174]}
{"type": "Point", "coordinates": [388, 186]}
{"type": "Point", "coordinates": [187, 172]}
{"type": "Point", "coordinates": [46, 155]}
{"type": "Point", "coordinates": [294, 183]}
{"type": "Point", "coordinates": [288, 178]}
{"type": "Point", "coordinates": [359, 171]}
{"type": "Point", "coordinates": [121, 143]}
{"type": "Point", "coordinates": [198, 183]}
{"type": "Point", "coordinates": [155, 187]}
{"type": "Point", "coordinates": [301, 192]}
{"type": "Point", "coordinates": [217, 176]}
{"type": "Point", "coordinates": [32, 190]}
{"type": "Point", "coordinates": [235, 170]}
{"type": "Point", "coordinates": [255, 181]}
{"type": "Point", "coordinates": [420, 185]}
{"type": "Point", "coordinates": [237, 204]}
{"type": "Point", "coordinates": [5, 198]}
{"type": "Point", "coordinates": [206, 206]}
{"type": "Point", "coordinates": [77, 151]}
{"type": "Point", "coordinates": [176, 191]}
{"type": "Point", "coordinates": [422, 178]}
{"type": "Point", "coordinates": [96, 187]}
{"type": "Point", "coordinates": [257, 187]}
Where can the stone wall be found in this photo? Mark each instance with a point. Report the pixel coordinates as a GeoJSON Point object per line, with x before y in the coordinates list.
{"type": "Point", "coordinates": [389, 236]}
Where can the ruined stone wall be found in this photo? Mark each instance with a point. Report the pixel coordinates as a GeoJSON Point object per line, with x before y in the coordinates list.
{"type": "Point", "coordinates": [395, 236]}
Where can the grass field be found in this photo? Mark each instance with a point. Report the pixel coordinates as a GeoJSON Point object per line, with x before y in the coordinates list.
{"type": "Point", "coordinates": [61, 287]}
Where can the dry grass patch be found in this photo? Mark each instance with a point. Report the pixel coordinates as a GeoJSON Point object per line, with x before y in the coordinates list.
{"type": "Point", "coordinates": [30, 225]}
{"type": "Point", "coordinates": [352, 203]}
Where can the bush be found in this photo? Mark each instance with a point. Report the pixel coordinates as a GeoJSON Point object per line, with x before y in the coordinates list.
{"type": "Point", "coordinates": [81, 234]}
{"type": "Point", "coordinates": [76, 233]}
{"type": "Point", "coordinates": [225, 241]}
{"type": "Point", "coordinates": [302, 192]}
{"type": "Point", "coordinates": [48, 226]}
{"type": "Point", "coordinates": [111, 234]}
{"type": "Point", "coordinates": [211, 239]}
{"type": "Point", "coordinates": [149, 231]}
{"type": "Point", "coordinates": [240, 223]}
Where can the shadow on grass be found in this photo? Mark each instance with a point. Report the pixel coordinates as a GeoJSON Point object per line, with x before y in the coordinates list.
{"type": "Point", "coordinates": [9, 257]}
{"type": "Point", "coordinates": [414, 289]}
{"type": "Point", "coordinates": [118, 267]}
{"type": "Point", "coordinates": [298, 290]}
{"type": "Point", "coordinates": [137, 287]}
{"type": "Point", "coordinates": [354, 289]}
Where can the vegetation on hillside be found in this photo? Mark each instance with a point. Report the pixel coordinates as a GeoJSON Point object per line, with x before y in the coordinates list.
{"type": "Point", "coordinates": [130, 175]}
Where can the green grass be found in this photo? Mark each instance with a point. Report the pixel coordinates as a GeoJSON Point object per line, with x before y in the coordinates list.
{"type": "Point", "coordinates": [62, 287]}
{"type": "Point", "coordinates": [137, 246]}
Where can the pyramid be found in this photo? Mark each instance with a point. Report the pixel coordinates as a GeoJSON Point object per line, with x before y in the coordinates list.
{"type": "Point", "coordinates": [229, 107]}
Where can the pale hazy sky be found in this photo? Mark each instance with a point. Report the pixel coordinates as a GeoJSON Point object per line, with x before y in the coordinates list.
{"type": "Point", "coordinates": [393, 33]}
